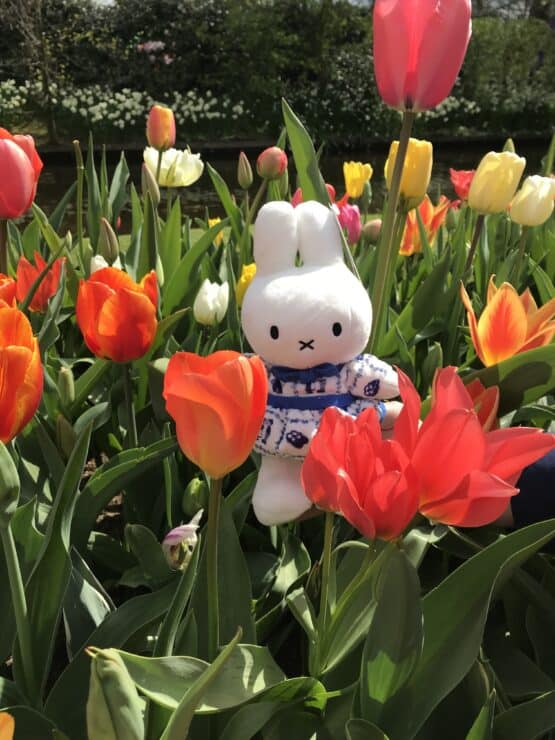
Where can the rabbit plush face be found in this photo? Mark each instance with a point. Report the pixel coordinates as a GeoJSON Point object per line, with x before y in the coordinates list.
{"type": "Point", "coordinates": [303, 316]}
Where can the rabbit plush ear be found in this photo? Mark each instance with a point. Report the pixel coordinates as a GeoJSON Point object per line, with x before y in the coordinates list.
{"type": "Point", "coordinates": [275, 238]}
{"type": "Point", "coordinates": [318, 232]}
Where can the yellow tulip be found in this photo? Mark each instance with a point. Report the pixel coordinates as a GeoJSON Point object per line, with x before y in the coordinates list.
{"type": "Point", "coordinates": [495, 182]}
{"type": "Point", "coordinates": [417, 170]}
{"type": "Point", "coordinates": [220, 235]}
{"type": "Point", "coordinates": [533, 204]}
{"type": "Point", "coordinates": [356, 175]}
{"type": "Point", "coordinates": [509, 324]}
{"type": "Point", "coordinates": [247, 274]}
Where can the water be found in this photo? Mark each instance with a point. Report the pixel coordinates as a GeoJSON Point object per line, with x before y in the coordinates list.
{"type": "Point", "coordinates": [201, 198]}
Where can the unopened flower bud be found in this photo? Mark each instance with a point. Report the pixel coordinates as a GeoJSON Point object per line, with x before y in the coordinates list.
{"type": "Point", "coordinates": [160, 128]}
{"type": "Point", "coordinates": [509, 146]}
{"type": "Point", "coordinates": [66, 386]}
{"type": "Point", "coordinates": [211, 303]}
{"type": "Point", "coordinates": [108, 245]}
{"type": "Point", "coordinates": [272, 163]}
{"type": "Point", "coordinates": [99, 263]}
{"type": "Point", "coordinates": [366, 197]}
{"type": "Point", "coordinates": [372, 229]}
{"type": "Point", "coordinates": [114, 710]}
{"type": "Point", "coordinates": [9, 486]}
{"type": "Point", "coordinates": [195, 497]}
{"type": "Point", "coordinates": [179, 543]}
{"type": "Point", "coordinates": [244, 172]}
{"type": "Point", "coordinates": [149, 185]}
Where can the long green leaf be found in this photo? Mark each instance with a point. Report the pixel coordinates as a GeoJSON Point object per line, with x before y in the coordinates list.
{"type": "Point", "coordinates": [232, 210]}
{"type": "Point", "coordinates": [527, 721]}
{"type": "Point", "coordinates": [483, 724]}
{"type": "Point", "coordinates": [306, 162]}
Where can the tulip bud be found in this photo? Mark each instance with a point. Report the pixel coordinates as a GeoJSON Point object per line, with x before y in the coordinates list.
{"type": "Point", "coordinates": [160, 128]}
{"type": "Point", "coordinates": [495, 182]}
{"type": "Point", "coordinates": [108, 245]}
{"type": "Point", "coordinates": [366, 197]}
{"type": "Point", "coordinates": [9, 486]}
{"type": "Point", "coordinates": [372, 229]}
{"type": "Point", "coordinates": [416, 174]}
{"type": "Point", "coordinates": [509, 146]}
{"type": "Point", "coordinates": [66, 386]}
{"type": "Point", "coordinates": [179, 543]}
{"type": "Point", "coordinates": [211, 303]}
{"type": "Point", "coordinates": [149, 185]}
{"type": "Point", "coordinates": [271, 163]}
{"type": "Point", "coordinates": [99, 263]}
{"type": "Point", "coordinates": [533, 203]}
{"type": "Point", "coordinates": [247, 274]}
{"type": "Point", "coordinates": [244, 172]}
{"type": "Point", "coordinates": [195, 497]}
{"type": "Point", "coordinates": [113, 706]}
{"type": "Point", "coordinates": [65, 435]}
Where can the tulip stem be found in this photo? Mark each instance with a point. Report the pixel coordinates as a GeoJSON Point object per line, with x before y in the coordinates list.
{"type": "Point", "coordinates": [79, 203]}
{"type": "Point", "coordinates": [159, 165]}
{"type": "Point", "coordinates": [381, 286]}
{"type": "Point", "coordinates": [19, 601]}
{"type": "Point", "coordinates": [3, 246]}
{"type": "Point", "coordinates": [475, 239]}
{"type": "Point", "coordinates": [212, 567]}
{"type": "Point", "coordinates": [248, 221]}
{"type": "Point", "coordinates": [517, 268]}
{"type": "Point", "coordinates": [326, 565]}
{"type": "Point", "coordinates": [132, 436]}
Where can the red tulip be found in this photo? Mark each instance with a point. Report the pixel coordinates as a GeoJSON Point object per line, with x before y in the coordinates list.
{"type": "Point", "coordinates": [349, 469]}
{"type": "Point", "coordinates": [419, 47]}
{"type": "Point", "coordinates": [7, 289]}
{"type": "Point", "coordinates": [297, 196]}
{"type": "Point", "coordinates": [21, 375]}
{"type": "Point", "coordinates": [461, 181]}
{"type": "Point", "coordinates": [20, 167]}
{"type": "Point", "coordinates": [116, 315]}
{"type": "Point", "coordinates": [28, 273]}
{"type": "Point", "coordinates": [463, 475]}
{"type": "Point", "coordinates": [218, 404]}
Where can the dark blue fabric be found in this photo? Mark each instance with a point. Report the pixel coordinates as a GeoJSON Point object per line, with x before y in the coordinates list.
{"type": "Point", "coordinates": [310, 403]}
{"type": "Point", "coordinates": [536, 499]}
{"type": "Point", "coordinates": [308, 375]}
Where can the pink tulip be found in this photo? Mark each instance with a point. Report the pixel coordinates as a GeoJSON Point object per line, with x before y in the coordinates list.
{"type": "Point", "coordinates": [419, 47]}
{"type": "Point", "coordinates": [20, 167]}
{"type": "Point", "coordinates": [349, 218]}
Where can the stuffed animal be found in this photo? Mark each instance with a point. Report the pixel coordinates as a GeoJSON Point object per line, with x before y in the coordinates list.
{"type": "Point", "coordinates": [309, 319]}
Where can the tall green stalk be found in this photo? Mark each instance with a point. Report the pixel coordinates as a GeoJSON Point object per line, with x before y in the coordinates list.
{"type": "Point", "coordinates": [326, 566]}
{"type": "Point", "coordinates": [79, 203]}
{"type": "Point", "coordinates": [212, 567]}
{"type": "Point", "coordinates": [383, 277]}
{"type": "Point", "coordinates": [21, 613]}
{"type": "Point", "coordinates": [133, 437]}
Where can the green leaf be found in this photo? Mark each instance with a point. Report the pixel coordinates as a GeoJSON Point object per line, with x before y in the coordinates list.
{"type": "Point", "coordinates": [527, 721]}
{"type": "Point", "coordinates": [148, 251]}
{"type": "Point", "coordinates": [483, 724]}
{"type": "Point", "coordinates": [302, 609]}
{"type": "Point", "coordinates": [94, 201]}
{"type": "Point", "coordinates": [178, 726]}
{"type": "Point", "coordinates": [148, 551]}
{"type": "Point", "coordinates": [9, 693]}
{"type": "Point", "coordinates": [87, 381]}
{"type": "Point", "coordinates": [57, 216]}
{"type": "Point", "coordinates": [306, 163]}
{"type": "Point", "coordinates": [48, 582]}
{"type": "Point", "coordinates": [249, 720]}
{"type": "Point", "coordinates": [360, 729]}
{"type": "Point", "coordinates": [230, 207]}
{"type": "Point", "coordinates": [170, 241]}
{"type": "Point", "coordinates": [118, 188]}
{"type": "Point", "coordinates": [183, 283]}
{"type": "Point", "coordinates": [454, 617]}
{"type": "Point", "coordinates": [110, 478]}
{"type": "Point", "coordinates": [394, 641]}
{"type": "Point", "coordinates": [67, 699]}
{"type": "Point", "coordinates": [522, 379]}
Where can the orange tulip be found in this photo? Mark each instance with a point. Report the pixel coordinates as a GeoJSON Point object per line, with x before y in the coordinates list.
{"type": "Point", "coordinates": [432, 218]}
{"type": "Point", "coordinates": [160, 128]}
{"type": "Point", "coordinates": [7, 726]}
{"type": "Point", "coordinates": [218, 405]}
{"type": "Point", "coordinates": [509, 324]}
{"type": "Point", "coordinates": [21, 375]}
{"type": "Point", "coordinates": [28, 273]}
{"type": "Point", "coordinates": [7, 289]}
{"type": "Point", "coordinates": [116, 315]}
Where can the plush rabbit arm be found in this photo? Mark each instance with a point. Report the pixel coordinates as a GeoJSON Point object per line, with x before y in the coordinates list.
{"type": "Point", "coordinates": [369, 377]}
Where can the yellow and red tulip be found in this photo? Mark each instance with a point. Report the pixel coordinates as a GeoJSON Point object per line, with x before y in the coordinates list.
{"type": "Point", "coordinates": [432, 218]}
{"type": "Point", "coordinates": [218, 404]}
{"type": "Point", "coordinates": [509, 324]}
{"type": "Point", "coordinates": [117, 316]}
{"type": "Point", "coordinates": [21, 376]}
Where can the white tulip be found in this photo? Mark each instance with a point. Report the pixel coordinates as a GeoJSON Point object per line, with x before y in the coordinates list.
{"type": "Point", "coordinates": [179, 168]}
{"type": "Point", "coordinates": [533, 204]}
{"type": "Point", "coordinates": [210, 305]}
{"type": "Point", "coordinates": [99, 263]}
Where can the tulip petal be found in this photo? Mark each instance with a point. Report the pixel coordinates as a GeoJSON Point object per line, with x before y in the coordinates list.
{"type": "Point", "coordinates": [540, 339]}
{"type": "Point", "coordinates": [21, 382]}
{"type": "Point", "coordinates": [473, 324]}
{"type": "Point", "coordinates": [149, 285]}
{"type": "Point", "coordinates": [90, 298]}
{"type": "Point", "coordinates": [350, 507]}
{"type": "Point", "coordinates": [406, 424]}
{"type": "Point", "coordinates": [15, 329]}
{"type": "Point", "coordinates": [449, 392]}
{"type": "Point", "coordinates": [502, 326]}
{"type": "Point", "coordinates": [480, 499]}
{"type": "Point", "coordinates": [509, 451]}
{"type": "Point", "coordinates": [537, 318]}
{"type": "Point", "coordinates": [18, 180]}
{"type": "Point", "coordinates": [126, 326]}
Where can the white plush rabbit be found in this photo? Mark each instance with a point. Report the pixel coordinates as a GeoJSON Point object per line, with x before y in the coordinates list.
{"type": "Point", "coordinates": [309, 318]}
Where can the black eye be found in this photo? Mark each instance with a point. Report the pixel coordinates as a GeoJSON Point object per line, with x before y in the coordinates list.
{"type": "Point", "coordinates": [274, 331]}
{"type": "Point", "coordinates": [337, 329]}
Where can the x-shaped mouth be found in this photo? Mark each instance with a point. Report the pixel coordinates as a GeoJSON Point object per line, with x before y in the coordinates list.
{"type": "Point", "coordinates": [306, 345]}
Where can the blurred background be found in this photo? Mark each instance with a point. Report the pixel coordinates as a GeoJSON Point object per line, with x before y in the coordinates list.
{"type": "Point", "coordinates": [70, 67]}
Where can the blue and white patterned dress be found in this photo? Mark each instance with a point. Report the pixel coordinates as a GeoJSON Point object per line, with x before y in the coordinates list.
{"type": "Point", "coordinates": [297, 399]}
